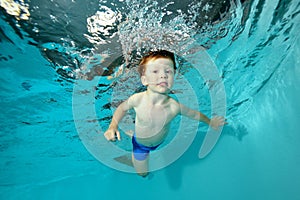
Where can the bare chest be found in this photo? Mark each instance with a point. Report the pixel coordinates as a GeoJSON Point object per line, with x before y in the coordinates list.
{"type": "Point", "coordinates": [154, 116]}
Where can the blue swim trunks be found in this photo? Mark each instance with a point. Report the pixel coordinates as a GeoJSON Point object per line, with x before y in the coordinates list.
{"type": "Point", "coordinates": [140, 152]}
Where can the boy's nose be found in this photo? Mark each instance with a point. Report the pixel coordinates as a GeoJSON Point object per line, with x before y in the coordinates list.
{"type": "Point", "coordinates": [163, 75]}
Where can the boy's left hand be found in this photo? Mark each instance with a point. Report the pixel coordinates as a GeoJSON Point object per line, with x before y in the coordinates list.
{"type": "Point", "coordinates": [217, 121]}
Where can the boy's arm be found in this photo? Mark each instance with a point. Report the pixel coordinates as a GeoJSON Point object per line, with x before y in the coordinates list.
{"type": "Point", "coordinates": [193, 114]}
{"type": "Point", "coordinates": [121, 110]}
{"type": "Point", "coordinates": [215, 122]}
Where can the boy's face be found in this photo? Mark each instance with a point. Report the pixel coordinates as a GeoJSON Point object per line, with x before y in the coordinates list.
{"type": "Point", "coordinates": [159, 75]}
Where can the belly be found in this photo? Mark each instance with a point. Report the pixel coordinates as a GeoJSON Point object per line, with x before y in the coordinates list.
{"type": "Point", "coordinates": [150, 136]}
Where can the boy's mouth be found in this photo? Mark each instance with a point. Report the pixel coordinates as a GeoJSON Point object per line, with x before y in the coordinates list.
{"type": "Point", "coordinates": [163, 84]}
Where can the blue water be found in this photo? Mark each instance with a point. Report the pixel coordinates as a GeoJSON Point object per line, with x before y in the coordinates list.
{"type": "Point", "coordinates": [256, 48]}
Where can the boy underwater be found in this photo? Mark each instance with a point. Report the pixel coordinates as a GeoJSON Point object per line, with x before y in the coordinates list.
{"type": "Point", "coordinates": [154, 109]}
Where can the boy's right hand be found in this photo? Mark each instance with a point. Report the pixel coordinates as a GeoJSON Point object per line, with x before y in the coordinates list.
{"type": "Point", "coordinates": [112, 134]}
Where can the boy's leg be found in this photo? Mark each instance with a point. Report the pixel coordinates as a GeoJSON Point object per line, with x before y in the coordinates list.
{"type": "Point", "coordinates": [141, 166]}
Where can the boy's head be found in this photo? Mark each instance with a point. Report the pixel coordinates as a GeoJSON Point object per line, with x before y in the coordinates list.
{"type": "Point", "coordinates": [153, 55]}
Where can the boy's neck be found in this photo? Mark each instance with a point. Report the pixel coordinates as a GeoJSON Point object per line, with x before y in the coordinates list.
{"type": "Point", "coordinates": [156, 98]}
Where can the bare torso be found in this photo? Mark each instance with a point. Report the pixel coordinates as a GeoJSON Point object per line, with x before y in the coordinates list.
{"type": "Point", "coordinates": [153, 120]}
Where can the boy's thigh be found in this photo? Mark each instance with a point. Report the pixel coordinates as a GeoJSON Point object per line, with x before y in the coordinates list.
{"type": "Point", "coordinates": [141, 166]}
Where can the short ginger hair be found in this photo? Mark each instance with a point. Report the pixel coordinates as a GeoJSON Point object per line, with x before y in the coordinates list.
{"type": "Point", "coordinates": [155, 55]}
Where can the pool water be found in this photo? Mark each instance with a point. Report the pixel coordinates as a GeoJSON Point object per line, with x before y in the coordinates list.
{"type": "Point", "coordinates": [48, 48]}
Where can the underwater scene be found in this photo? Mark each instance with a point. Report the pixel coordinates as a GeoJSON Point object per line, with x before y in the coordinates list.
{"type": "Point", "coordinates": [68, 64]}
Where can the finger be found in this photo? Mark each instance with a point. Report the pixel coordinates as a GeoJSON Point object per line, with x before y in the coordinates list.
{"type": "Point", "coordinates": [112, 137]}
{"type": "Point", "coordinates": [109, 136]}
{"type": "Point", "coordinates": [224, 121]}
{"type": "Point", "coordinates": [221, 118]}
{"type": "Point", "coordinates": [218, 118]}
{"type": "Point", "coordinates": [216, 128]}
{"type": "Point", "coordinates": [118, 135]}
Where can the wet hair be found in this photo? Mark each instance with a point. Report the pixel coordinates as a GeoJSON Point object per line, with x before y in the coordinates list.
{"type": "Point", "coordinates": [155, 55]}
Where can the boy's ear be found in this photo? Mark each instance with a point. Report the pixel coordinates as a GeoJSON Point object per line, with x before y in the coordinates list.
{"type": "Point", "coordinates": [143, 80]}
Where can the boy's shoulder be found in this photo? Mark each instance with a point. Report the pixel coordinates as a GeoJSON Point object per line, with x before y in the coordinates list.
{"type": "Point", "coordinates": [138, 95]}
{"type": "Point", "coordinates": [136, 98]}
{"type": "Point", "coordinates": [174, 105]}
{"type": "Point", "coordinates": [173, 101]}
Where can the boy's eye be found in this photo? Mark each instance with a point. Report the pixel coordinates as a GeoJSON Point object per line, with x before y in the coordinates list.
{"type": "Point", "coordinates": [154, 71]}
